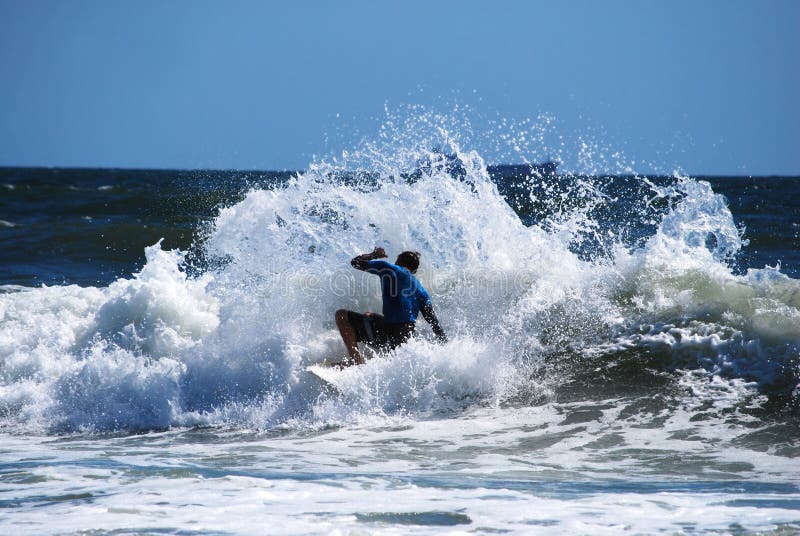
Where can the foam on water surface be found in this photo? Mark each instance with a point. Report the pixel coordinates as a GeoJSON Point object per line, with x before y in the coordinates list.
{"type": "Point", "coordinates": [547, 468]}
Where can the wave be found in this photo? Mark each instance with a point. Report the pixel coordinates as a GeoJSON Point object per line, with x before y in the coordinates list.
{"type": "Point", "coordinates": [230, 344]}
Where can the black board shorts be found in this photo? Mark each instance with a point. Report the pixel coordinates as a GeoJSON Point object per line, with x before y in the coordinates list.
{"type": "Point", "coordinates": [372, 330]}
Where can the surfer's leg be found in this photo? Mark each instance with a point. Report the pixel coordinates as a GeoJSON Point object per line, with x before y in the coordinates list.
{"type": "Point", "coordinates": [348, 334]}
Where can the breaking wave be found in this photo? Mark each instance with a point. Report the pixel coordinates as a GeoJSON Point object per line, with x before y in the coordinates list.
{"type": "Point", "coordinates": [519, 294]}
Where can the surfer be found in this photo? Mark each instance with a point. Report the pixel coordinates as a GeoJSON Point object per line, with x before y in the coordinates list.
{"type": "Point", "coordinates": [403, 299]}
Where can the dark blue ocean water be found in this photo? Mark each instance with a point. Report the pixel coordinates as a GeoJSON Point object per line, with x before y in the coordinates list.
{"type": "Point", "coordinates": [90, 226]}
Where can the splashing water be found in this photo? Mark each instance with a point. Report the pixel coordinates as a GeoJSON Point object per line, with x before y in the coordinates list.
{"type": "Point", "coordinates": [229, 346]}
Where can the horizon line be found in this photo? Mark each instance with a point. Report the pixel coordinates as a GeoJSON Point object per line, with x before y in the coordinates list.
{"type": "Point", "coordinates": [287, 170]}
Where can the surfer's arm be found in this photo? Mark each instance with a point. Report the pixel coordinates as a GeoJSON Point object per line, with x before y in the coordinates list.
{"type": "Point", "coordinates": [430, 317]}
{"type": "Point", "coordinates": [362, 261]}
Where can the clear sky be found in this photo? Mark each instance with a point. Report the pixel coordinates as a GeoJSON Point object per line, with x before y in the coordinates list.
{"type": "Point", "coordinates": [710, 86]}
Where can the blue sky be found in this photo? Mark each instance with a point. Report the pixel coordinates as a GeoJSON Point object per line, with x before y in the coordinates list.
{"type": "Point", "coordinates": [710, 87]}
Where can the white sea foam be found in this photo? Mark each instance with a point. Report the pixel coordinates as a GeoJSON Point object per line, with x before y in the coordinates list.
{"type": "Point", "coordinates": [490, 469]}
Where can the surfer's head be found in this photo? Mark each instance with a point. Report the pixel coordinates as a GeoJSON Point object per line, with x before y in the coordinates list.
{"type": "Point", "coordinates": [408, 260]}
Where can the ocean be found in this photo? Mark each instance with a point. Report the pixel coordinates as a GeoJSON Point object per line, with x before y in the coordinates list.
{"type": "Point", "coordinates": [622, 359]}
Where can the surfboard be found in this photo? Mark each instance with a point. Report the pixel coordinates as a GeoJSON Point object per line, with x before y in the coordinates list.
{"type": "Point", "coordinates": [327, 374]}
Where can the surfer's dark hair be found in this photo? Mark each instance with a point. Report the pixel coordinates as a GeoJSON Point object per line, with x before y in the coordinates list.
{"type": "Point", "coordinates": [409, 260]}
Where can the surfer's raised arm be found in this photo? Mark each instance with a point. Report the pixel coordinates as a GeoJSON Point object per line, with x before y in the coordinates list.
{"type": "Point", "coordinates": [360, 262]}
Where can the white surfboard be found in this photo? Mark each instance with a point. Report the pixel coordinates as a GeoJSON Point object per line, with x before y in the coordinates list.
{"type": "Point", "coordinates": [328, 374]}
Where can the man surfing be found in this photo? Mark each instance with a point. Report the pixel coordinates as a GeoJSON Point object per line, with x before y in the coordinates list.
{"type": "Point", "coordinates": [403, 299]}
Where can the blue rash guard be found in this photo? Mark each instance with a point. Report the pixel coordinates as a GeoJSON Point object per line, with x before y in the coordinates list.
{"type": "Point", "coordinates": [403, 295]}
